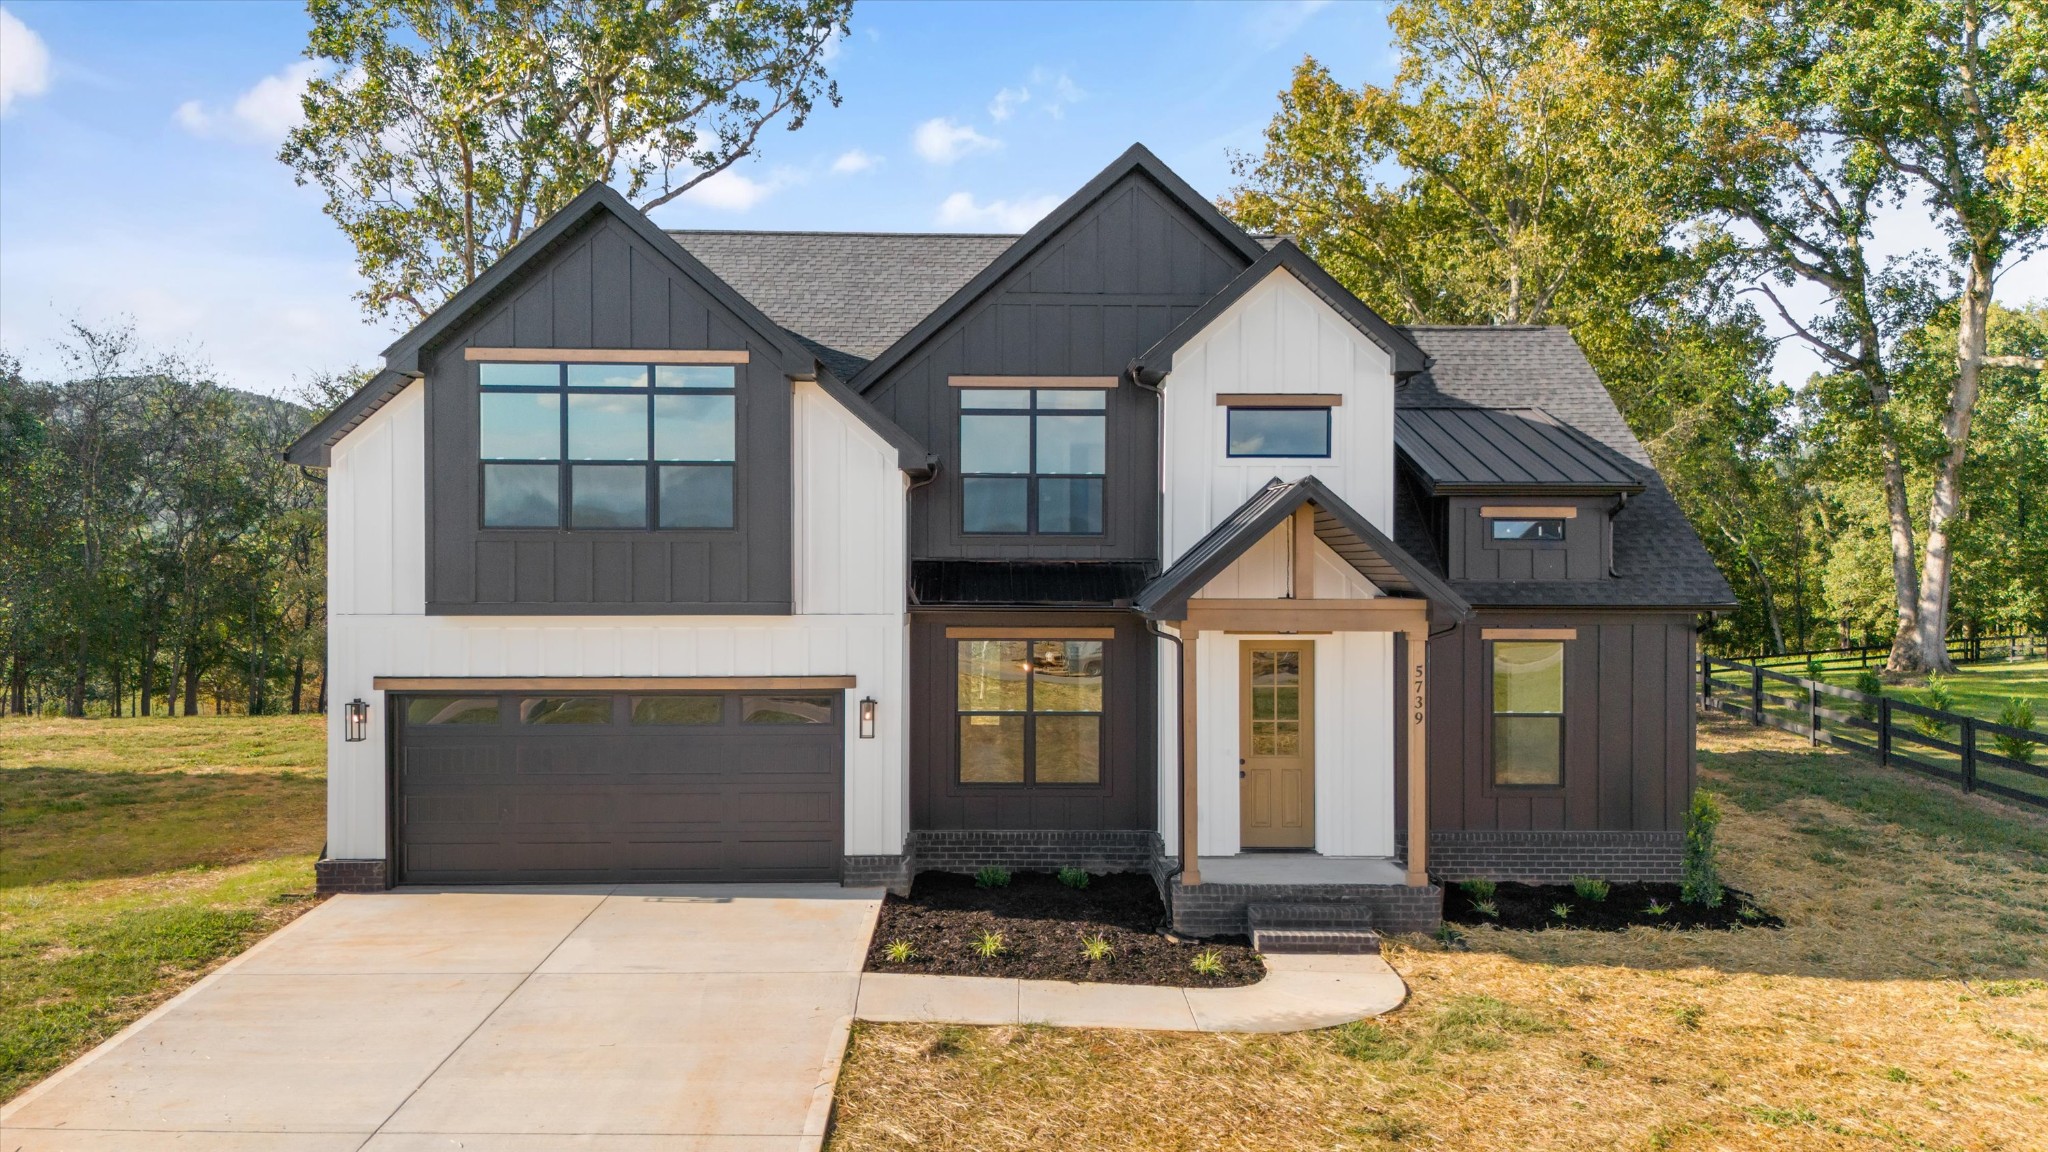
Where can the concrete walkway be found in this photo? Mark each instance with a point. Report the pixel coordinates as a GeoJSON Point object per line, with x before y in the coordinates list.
{"type": "Point", "coordinates": [708, 1018]}
{"type": "Point", "coordinates": [1298, 993]}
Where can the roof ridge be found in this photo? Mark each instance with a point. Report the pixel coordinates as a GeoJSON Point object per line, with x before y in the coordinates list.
{"type": "Point", "coordinates": [837, 232]}
{"type": "Point", "coordinates": [1485, 327]}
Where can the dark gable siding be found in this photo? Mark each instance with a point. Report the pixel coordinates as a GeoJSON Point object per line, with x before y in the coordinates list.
{"type": "Point", "coordinates": [1628, 727]}
{"type": "Point", "coordinates": [1093, 296]}
{"type": "Point", "coordinates": [1124, 800]}
{"type": "Point", "coordinates": [605, 288]}
{"type": "Point", "coordinates": [1586, 554]}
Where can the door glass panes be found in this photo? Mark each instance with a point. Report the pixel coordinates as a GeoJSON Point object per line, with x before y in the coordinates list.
{"type": "Point", "coordinates": [1275, 691]}
{"type": "Point", "coordinates": [451, 710]}
{"type": "Point", "coordinates": [607, 426]}
{"type": "Point", "coordinates": [1056, 437]}
{"type": "Point", "coordinates": [786, 709]}
{"type": "Point", "coordinates": [565, 710]}
{"type": "Point", "coordinates": [1528, 713]}
{"type": "Point", "coordinates": [521, 425]}
{"type": "Point", "coordinates": [1030, 711]}
{"type": "Point", "coordinates": [603, 417]}
{"type": "Point", "coordinates": [678, 709]}
{"type": "Point", "coordinates": [607, 496]}
{"type": "Point", "coordinates": [522, 495]}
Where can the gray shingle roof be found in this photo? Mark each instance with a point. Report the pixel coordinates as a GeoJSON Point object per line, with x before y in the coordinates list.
{"type": "Point", "coordinates": [1658, 559]}
{"type": "Point", "coordinates": [847, 295]}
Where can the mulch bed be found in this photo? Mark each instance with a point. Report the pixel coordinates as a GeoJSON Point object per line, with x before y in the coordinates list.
{"type": "Point", "coordinates": [1042, 923]}
{"type": "Point", "coordinates": [1532, 908]}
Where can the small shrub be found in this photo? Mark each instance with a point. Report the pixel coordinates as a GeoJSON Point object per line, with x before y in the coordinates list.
{"type": "Point", "coordinates": [992, 877]}
{"type": "Point", "coordinates": [1656, 909]}
{"type": "Point", "coordinates": [1075, 878]}
{"type": "Point", "coordinates": [1486, 908]}
{"type": "Point", "coordinates": [900, 952]}
{"type": "Point", "coordinates": [1208, 962]}
{"type": "Point", "coordinates": [1478, 889]}
{"type": "Point", "coordinates": [1095, 947]}
{"type": "Point", "coordinates": [2017, 713]}
{"type": "Point", "coordinates": [1699, 878]}
{"type": "Point", "coordinates": [1561, 911]}
{"type": "Point", "coordinates": [1589, 888]}
{"type": "Point", "coordinates": [1938, 696]}
{"type": "Point", "coordinates": [1815, 670]}
{"type": "Point", "coordinates": [988, 945]}
{"type": "Point", "coordinates": [1867, 682]}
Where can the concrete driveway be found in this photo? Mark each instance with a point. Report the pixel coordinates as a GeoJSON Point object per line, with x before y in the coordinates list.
{"type": "Point", "coordinates": [701, 1018]}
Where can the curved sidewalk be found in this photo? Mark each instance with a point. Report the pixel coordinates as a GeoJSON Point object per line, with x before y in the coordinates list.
{"type": "Point", "coordinates": [1299, 993]}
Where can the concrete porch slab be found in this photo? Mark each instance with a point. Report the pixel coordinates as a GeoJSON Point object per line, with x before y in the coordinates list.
{"type": "Point", "coordinates": [1301, 868]}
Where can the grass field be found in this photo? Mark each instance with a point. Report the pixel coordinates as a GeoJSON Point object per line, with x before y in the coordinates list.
{"type": "Point", "coordinates": [1980, 690]}
{"type": "Point", "coordinates": [135, 855]}
{"type": "Point", "coordinates": [1904, 1006]}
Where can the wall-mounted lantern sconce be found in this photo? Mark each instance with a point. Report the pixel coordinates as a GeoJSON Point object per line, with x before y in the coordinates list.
{"type": "Point", "coordinates": [867, 718]}
{"type": "Point", "coordinates": [355, 721]}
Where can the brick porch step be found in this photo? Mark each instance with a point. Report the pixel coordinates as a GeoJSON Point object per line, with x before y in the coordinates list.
{"type": "Point", "coordinates": [1312, 927]}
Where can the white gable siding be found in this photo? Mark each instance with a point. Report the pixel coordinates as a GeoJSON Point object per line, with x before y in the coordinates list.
{"type": "Point", "coordinates": [849, 617]}
{"type": "Point", "coordinates": [1263, 571]}
{"type": "Point", "coordinates": [1278, 338]}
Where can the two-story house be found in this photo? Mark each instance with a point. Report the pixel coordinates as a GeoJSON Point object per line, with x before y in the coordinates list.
{"type": "Point", "coordinates": [1134, 542]}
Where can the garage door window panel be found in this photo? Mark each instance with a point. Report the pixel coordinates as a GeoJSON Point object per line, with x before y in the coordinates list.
{"type": "Point", "coordinates": [677, 711]}
{"type": "Point", "coordinates": [447, 710]}
{"type": "Point", "coordinates": [786, 709]}
{"type": "Point", "coordinates": [585, 710]}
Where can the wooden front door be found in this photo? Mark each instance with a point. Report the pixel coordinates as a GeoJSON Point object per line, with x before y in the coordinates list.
{"type": "Point", "coordinates": [1276, 801]}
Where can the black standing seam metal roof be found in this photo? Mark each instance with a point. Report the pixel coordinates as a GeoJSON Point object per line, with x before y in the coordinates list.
{"type": "Point", "coordinates": [1338, 525]}
{"type": "Point", "coordinates": [1027, 583]}
{"type": "Point", "coordinates": [1465, 451]}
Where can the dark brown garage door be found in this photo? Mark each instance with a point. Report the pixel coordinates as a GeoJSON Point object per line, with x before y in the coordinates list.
{"type": "Point", "coordinates": [672, 787]}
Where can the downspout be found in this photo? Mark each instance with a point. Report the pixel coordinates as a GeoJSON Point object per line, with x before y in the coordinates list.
{"type": "Point", "coordinates": [1620, 505]}
{"type": "Point", "coordinates": [1180, 748]}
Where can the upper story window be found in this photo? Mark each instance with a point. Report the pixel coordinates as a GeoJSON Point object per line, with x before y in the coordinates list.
{"type": "Point", "coordinates": [1032, 460]}
{"type": "Point", "coordinates": [1282, 426]}
{"type": "Point", "coordinates": [607, 445]}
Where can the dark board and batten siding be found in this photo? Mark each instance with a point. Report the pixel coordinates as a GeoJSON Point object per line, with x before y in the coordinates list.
{"type": "Point", "coordinates": [604, 287]}
{"type": "Point", "coordinates": [1629, 726]}
{"type": "Point", "coordinates": [1584, 553]}
{"type": "Point", "coordinates": [1097, 293]}
{"type": "Point", "coordinates": [1124, 799]}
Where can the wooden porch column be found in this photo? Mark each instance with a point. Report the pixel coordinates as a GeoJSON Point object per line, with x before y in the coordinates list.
{"type": "Point", "coordinates": [1190, 863]}
{"type": "Point", "coordinates": [1418, 755]}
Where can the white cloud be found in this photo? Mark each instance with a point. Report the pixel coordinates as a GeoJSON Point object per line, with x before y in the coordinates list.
{"type": "Point", "coordinates": [1064, 92]}
{"type": "Point", "coordinates": [1275, 24]}
{"type": "Point", "coordinates": [961, 211]}
{"type": "Point", "coordinates": [729, 191]}
{"type": "Point", "coordinates": [24, 62]}
{"type": "Point", "coordinates": [941, 141]}
{"type": "Point", "coordinates": [854, 160]}
{"type": "Point", "coordinates": [1006, 102]}
{"type": "Point", "coordinates": [263, 114]}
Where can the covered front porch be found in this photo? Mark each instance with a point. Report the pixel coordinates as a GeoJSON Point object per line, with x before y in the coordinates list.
{"type": "Point", "coordinates": [1301, 717]}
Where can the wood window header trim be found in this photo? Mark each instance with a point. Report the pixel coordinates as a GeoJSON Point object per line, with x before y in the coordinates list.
{"type": "Point", "coordinates": [1528, 512]}
{"type": "Point", "coordinates": [1528, 633]}
{"type": "Point", "coordinates": [1278, 400]}
{"type": "Point", "coordinates": [607, 355]}
{"type": "Point", "coordinates": [1030, 633]}
{"type": "Point", "coordinates": [1101, 382]}
{"type": "Point", "coordinates": [611, 683]}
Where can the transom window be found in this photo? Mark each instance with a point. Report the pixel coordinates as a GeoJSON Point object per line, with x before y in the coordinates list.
{"type": "Point", "coordinates": [1543, 531]}
{"type": "Point", "coordinates": [1279, 432]}
{"type": "Point", "coordinates": [1030, 711]}
{"type": "Point", "coordinates": [1528, 713]}
{"type": "Point", "coordinates": [1032, 460]}
{"type": "Point", "coordinates": [607, 445]}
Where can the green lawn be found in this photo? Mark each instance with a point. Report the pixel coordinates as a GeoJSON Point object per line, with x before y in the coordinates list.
{"type": "Point", "coordinates": [138, 855]}
{"type": "Point", "coordinates": [1980, 690]}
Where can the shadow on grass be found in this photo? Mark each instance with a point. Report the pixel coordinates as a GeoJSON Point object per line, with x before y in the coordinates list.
{"type": "Point", "coordinates": [1879, 875]}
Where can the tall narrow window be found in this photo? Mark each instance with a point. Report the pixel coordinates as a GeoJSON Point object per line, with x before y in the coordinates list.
{"type": "Point", "coordinates": [1030, 711]}
{"type": "Point", "coordinates": [607, 445]}
{"type": "Point", "coordinates": [1528, 713]}
{"type": "Point", "coordinates": [1032, 460]}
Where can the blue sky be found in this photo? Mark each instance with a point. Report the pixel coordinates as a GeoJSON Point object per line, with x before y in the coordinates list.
{"type": "Point", "coordinates": [141, 180]}
{"type": "Point", "coordinates": [138, 176]}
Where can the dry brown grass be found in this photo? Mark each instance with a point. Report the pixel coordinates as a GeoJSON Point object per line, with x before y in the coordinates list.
{"type": "Point", "coordinates": [1903, 1006]}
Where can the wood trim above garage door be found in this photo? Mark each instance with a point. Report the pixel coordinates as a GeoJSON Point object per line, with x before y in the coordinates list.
{"type": "Point", "coordinates": [611, 683]}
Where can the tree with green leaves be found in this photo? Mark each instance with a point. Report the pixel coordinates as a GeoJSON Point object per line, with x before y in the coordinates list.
{"type": "Point", "coordinates": [442, 131]}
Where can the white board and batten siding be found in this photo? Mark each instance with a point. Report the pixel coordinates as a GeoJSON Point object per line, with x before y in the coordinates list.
{"type": "Point", "coordinates": [849, 615]}
{"type": "Point", "coordinates": [1279, 338]}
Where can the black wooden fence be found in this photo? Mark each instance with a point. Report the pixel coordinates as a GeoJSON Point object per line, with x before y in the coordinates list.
{"type": "Point", "coordinates": [1963, 750]}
